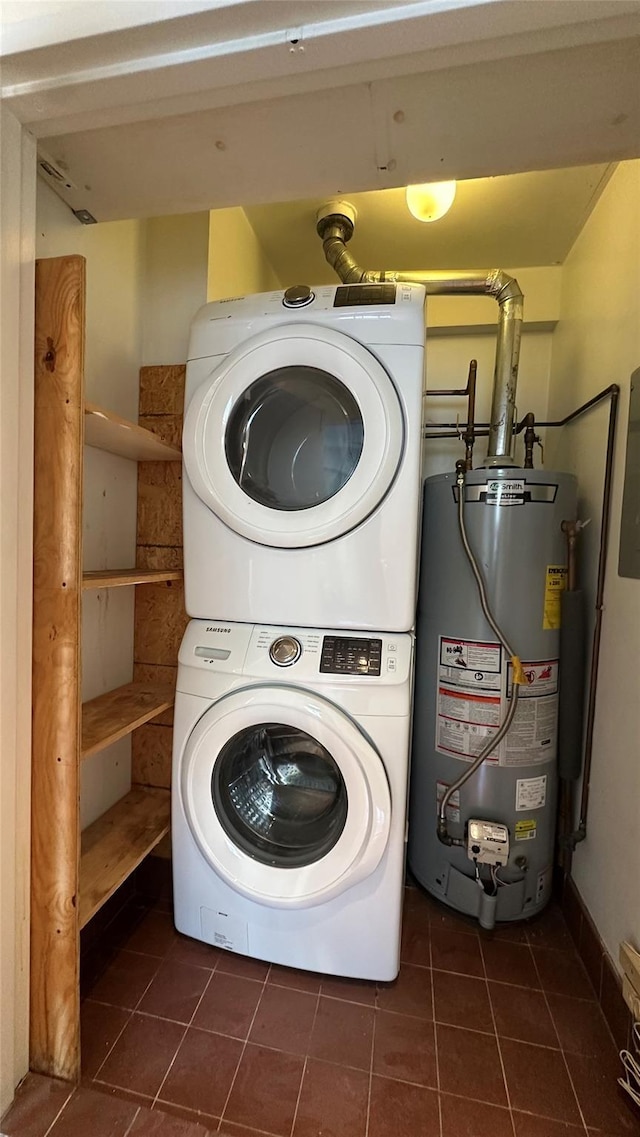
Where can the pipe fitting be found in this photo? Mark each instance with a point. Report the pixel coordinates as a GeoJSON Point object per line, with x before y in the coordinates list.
{"type": "Point", "coordinates": [503, 286]}
{"type": "Point", "coordinates": [335, 223]}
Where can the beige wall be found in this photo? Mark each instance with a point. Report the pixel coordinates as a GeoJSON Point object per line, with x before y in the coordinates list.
{"type": "Point", "coordinates": [597, 342]}
{"type": "Point", "coordinates": [237, 264]}
{"type": "Point", "coordinates": [17, 229]}
{"type": "Point", "coordinates": [174, 285]}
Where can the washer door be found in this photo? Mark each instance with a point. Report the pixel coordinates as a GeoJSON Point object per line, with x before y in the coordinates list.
{"type": "Point", "coordinates": [295, 438]}
{"type": "Point", "coordinates": [285, 797]}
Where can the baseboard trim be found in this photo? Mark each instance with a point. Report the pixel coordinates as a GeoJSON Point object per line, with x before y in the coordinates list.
{"type": "Point", "coordinates": [600, 967]}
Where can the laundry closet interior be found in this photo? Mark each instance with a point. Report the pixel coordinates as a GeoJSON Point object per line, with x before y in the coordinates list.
{"type": "Point", "coordinates": [149, 991]}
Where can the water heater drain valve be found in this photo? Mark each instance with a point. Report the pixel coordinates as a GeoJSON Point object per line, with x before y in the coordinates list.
{"type": "Point", "coordinates": [488, 843]}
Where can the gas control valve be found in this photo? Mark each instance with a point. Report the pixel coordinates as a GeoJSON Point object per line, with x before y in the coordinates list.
{"type": "Point", "coordinates": [488, 842]}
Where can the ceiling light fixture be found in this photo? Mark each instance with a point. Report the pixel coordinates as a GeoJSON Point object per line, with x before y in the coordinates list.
{"type": "Point", "coordinates": [430, 202]}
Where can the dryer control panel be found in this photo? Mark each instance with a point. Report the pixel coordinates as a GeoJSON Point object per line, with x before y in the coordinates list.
{"type": "Point", "coordinates": [354, 295]}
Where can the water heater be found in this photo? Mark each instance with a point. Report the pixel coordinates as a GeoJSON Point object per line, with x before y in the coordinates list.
{"type": "Point", "coordinates": [501, 822]}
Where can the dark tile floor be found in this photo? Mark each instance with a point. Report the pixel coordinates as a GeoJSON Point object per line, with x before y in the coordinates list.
{"type": "Point", "coordinates": [482, 1035]}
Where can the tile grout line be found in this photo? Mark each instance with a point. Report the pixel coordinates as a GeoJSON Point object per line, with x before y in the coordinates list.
{"type": "Point", "coordinates": [306, 1059]}
{"type": "Point", "coordinates": [59, 1113]}
{"type": "Point", "coordinates": [184, 1035]}
{"type": "Point", "coordinates": [244, 1047]}
{"type": "Point", "coordinates": [131, 1014]}
{"type": "Point", "coordinates": [435, 1033]}
{"type": "Point", "coordinates": [564, 1057]}
{"type": "Point", "coordinates": [373, 1043]}
{"type": "Point", "coordinates": [133, 1121]}
{"type": "Point", "coordinates": [116, 1040]}
{"type": "Point", "coordinates": [497, 1036]}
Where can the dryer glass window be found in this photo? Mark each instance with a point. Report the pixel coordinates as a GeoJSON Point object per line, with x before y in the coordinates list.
{"type": "Point", "coordinates": [279, 795]}
{"type": "Point", "coordinates": [294, 438]}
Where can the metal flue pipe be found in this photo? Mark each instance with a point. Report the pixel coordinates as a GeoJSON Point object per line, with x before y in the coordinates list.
{"type": "Point", "coordinates": [335, 226]}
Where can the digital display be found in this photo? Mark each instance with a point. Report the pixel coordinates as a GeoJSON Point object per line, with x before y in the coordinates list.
{"type": "Point", "coordinates": [356, 294]}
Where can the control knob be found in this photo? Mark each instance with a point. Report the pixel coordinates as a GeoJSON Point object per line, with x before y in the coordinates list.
{"type": "Point", "coordinates": [285, 650]}
{"type": "Point", "coordinates": [298, 296]}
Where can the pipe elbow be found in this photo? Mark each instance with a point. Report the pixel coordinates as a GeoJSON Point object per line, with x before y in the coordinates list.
{"type": "Point", "coordinates": [504, 287]}
{"type": "Point", "coordinates": [341, 261]}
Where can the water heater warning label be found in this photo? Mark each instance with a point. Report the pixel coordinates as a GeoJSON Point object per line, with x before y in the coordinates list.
{"type": "Point", "coordinates": [554, 585]}
{"type": "Point", "coordinates": [472, 664]}
{"type": "Point", "coordinates": [469, 696]}
{"type": "Point", "coordinates": [453, 805]}
{"type": "Point", "coordinates": [474, 684]}
{"type": "Point", "coordinates": [531, 793]}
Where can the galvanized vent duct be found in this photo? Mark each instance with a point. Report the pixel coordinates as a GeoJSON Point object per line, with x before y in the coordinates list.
{"type": "Point", "coordinates": [335, 226]}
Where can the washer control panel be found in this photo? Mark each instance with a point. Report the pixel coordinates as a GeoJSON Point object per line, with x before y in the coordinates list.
{"type": "Point", "coordinates": [350, 656]}
{"type": "Point", "coordinates": [285, 650]}
{"type": "Point", "coordinates": [364, 662]}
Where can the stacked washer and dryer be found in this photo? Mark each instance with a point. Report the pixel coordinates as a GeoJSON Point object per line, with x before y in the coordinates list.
{"type": "Point", "coordinates": [302, 464]}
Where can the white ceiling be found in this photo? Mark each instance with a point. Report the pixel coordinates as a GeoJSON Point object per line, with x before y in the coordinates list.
{"type": "Point", "coordinates": [236, 103]}
{"type": "Point", "coordinates": [508, 222]}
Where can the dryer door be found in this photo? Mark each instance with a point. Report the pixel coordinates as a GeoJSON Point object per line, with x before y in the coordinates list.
{"type": "Point", "coordinates": [285, 797]}
{"type": "Point", "coordinates": [295, 438]}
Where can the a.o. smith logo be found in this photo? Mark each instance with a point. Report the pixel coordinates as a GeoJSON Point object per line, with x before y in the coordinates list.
{"type": "Point", "coordinates": [210, 628]}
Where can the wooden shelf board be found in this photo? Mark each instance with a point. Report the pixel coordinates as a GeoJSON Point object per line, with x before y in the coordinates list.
{"type": "Point", "coordinates": [117, 842]}
{"type": "Point", "coordinates": [108, 431]}
{"type": "Point", "coordinates": [113, 715]}
{"type": "Point", "coordinates": [116, 578]}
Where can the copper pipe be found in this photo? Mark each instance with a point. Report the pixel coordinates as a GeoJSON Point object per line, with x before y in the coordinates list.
{"type": "Point", "coordinates": [571, 530]}
{"type": "Point", "coordinates": [614, 392]}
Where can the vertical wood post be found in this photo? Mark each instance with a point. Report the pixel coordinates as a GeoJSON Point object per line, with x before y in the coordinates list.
{"type": "Point", "coordinates": [59, 429]}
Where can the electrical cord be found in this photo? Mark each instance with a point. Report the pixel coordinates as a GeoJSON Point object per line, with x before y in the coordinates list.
{"type": "Point", "coordinates": [630, 1082]}
{"type": "Point", "coordinates": [518, 676]}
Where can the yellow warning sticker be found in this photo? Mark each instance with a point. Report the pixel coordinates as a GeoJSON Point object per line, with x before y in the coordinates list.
{"type": "Point", "coordinates": [526, 830]}
{"type": "Point", "coordinates": [554, 586]}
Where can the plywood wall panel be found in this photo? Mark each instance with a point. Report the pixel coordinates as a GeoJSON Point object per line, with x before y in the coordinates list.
{"type": "Point", "coordinates": [159, 557]}
{"type": "Point", "coordinates": [160, 622]}
{"type": "Point", "coordinates": [167, 427]}
{"type": "Point", "coordinates": [160, 503]}
{"type": "Point", "coordinates": [162, 390]}
{"type": "Point", "coordinates": [151, 755]}
{"type": "Point", "coordinates": [157, 673]}
{"type": "Point", "coordinates": [160, 618]}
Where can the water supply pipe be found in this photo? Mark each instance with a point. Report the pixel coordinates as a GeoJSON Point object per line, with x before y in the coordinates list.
{"type": "Point", "coordinates": [335, 223]}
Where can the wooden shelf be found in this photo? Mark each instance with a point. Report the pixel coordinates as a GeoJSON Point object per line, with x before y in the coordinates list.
{"type": "Point", "coordinates": [117, 578]}
{"type": "Point", "coordinates": [108, 431]}
{"type": "Point", "coordinates": [115, 714]}
{"type": "Point", "coordinates": [117, 843]}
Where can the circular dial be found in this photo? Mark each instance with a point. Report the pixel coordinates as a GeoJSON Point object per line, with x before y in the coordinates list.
{"type": "Point", "coordinates": [298, 296]}
{"type": "Point", "coordinates": [285, 650]}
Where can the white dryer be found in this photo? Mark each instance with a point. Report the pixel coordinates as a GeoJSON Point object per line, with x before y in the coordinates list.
{"type": "Point", "coordinates": [290, 770]}
{"type": "Point", "coordinates": [302, 454]}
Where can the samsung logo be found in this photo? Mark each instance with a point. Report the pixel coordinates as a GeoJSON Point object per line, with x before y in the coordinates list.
{"type": "Point", "coordinates": [211, 629]}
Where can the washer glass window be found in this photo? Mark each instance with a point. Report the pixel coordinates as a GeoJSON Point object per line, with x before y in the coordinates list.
{"type": "Point", "coordinates": [279, 795]}
{"type": "Point", "coordinates": [294, 438]}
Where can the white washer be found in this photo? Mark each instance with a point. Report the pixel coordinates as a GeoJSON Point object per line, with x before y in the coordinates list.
{"type": "Point", "coordinates": [290, 769]}
{"type": "Point", "coordinates": [302, 454]}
